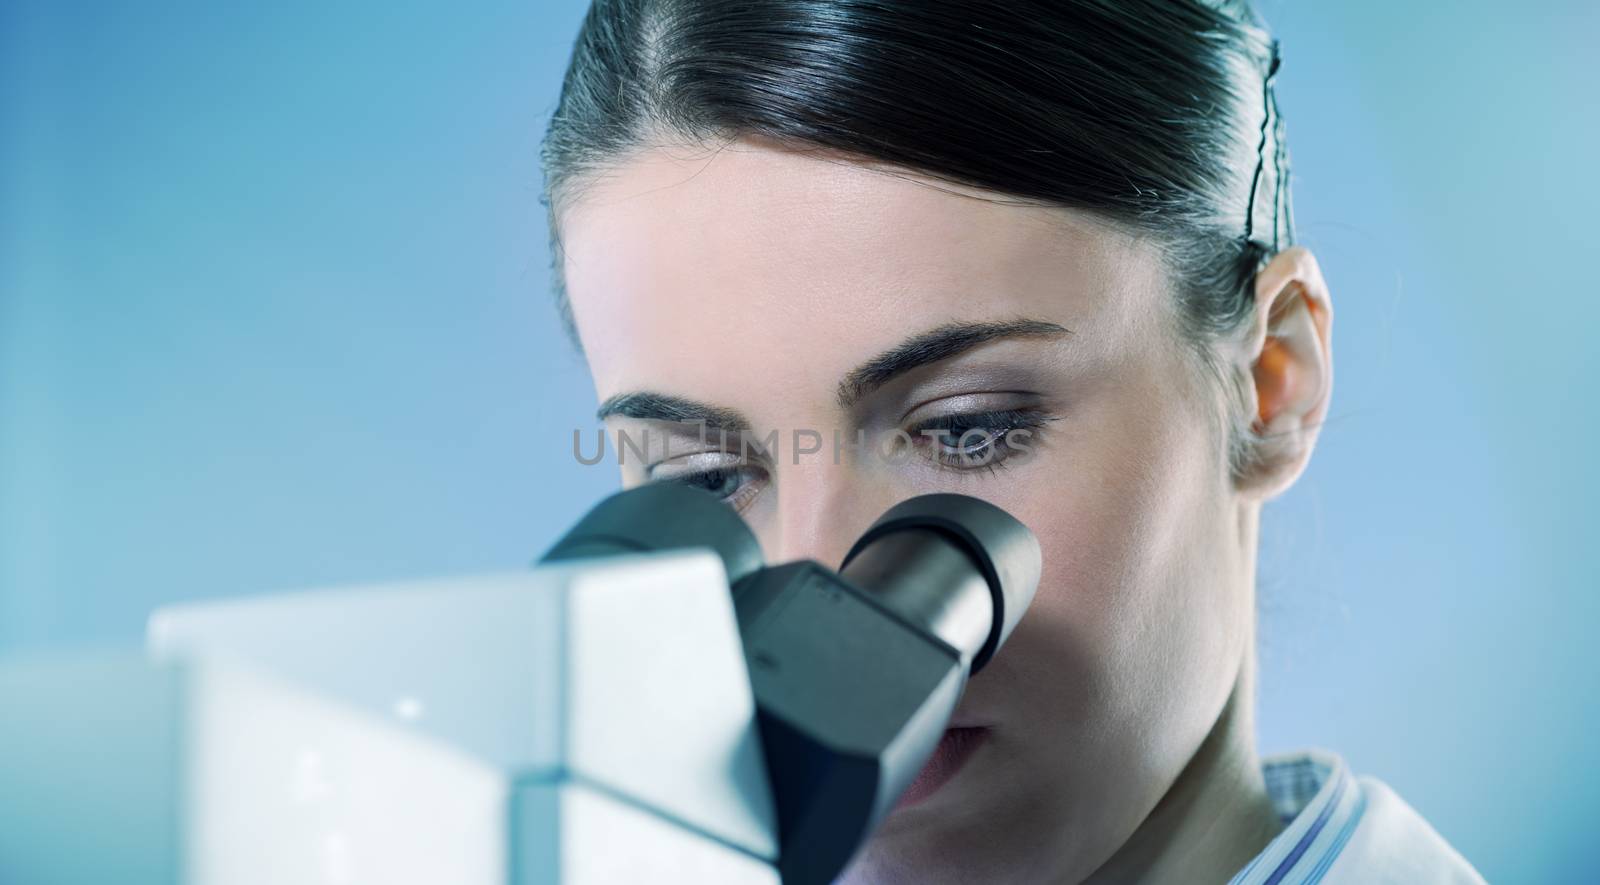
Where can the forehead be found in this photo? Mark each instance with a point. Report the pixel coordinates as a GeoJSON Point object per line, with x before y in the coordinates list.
{"type": "Point", "coordinates": [693, 270]}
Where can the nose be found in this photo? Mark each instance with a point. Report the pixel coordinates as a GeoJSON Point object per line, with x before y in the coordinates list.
{"type": "Point", "coordinates": [821, 511]}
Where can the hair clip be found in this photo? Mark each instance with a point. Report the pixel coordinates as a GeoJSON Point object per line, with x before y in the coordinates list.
{"type": "Point", "coordinates": [1271, 121]}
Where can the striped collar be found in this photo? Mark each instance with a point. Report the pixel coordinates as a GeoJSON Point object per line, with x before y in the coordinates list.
{"type": "Point", "coordinates": [1321, 804]}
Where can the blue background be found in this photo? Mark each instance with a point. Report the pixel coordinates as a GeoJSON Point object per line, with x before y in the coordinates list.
{"type": "Point", "coordinates": [275, 315]}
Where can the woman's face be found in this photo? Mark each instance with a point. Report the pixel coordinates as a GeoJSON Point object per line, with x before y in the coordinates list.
{"type": "Point", "coordinates": [777, 289]}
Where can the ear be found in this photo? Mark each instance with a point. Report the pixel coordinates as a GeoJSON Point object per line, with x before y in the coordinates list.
{"type": "Point", "coordinates": [1291, 357]}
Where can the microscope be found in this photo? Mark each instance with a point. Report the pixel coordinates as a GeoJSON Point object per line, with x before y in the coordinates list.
{"type": "Point", "coordinates": [650, 703]}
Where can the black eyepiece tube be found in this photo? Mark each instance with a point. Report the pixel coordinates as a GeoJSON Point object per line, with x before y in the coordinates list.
{"type": "Point", "coordinates": [857, 672]}
{"type": "Point", "coordinates": [662, 516]}
{"type": "Point", "coordinates": [899, 559]}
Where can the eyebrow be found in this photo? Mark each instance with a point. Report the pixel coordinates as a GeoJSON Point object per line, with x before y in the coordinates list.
{"type": "Point", "coordinates": [935, 345]}
{"type": "Point", "coordinates": [648, 405]}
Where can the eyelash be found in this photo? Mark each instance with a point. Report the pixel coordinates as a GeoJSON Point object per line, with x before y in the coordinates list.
{"type": "Point", "coordinates": [998, 425]}
{"type": "Point", "coordinates": [717, 476]}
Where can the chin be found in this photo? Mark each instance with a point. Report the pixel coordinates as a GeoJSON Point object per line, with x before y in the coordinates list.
{"type": "Point", "coordinates": [932, 855]}
{"type": "Point", "coordinates": [946, 838]}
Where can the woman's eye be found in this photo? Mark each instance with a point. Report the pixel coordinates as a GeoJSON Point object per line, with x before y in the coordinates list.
{"type": "Point", "coordinates": [734, 483]}
{"type": "Point", "coordinates": [967, 442]}
{"type": "Point", "coordinates": [979, 440]}
{"type": "Point", "coordinates": [721, 483]}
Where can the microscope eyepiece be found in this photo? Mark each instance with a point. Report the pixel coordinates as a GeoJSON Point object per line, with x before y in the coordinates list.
{"type": "Point", "coordinates": [662, 516]}
{"type": "Point", "coordinates": [919, 556]}
{"type": "Point", "coordinates": [854, 672]}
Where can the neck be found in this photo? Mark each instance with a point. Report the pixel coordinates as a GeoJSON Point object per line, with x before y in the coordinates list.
{"type": "Point", "coordinates": [1217, 814]}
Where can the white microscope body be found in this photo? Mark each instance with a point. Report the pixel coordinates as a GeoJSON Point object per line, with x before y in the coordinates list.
{"type": "Point", "coordinates": [577, 723]}
{"type": "Point", "coordinates": [651, 703]}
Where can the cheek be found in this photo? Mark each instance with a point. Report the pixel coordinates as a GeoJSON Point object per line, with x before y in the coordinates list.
{"type": "Point", "coordinates": [1138, 616]}
{"type": "Point", "coordinates": [1118, 670]}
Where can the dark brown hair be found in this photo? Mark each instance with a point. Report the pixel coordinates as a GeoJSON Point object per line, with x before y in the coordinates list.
{"type": "Point", "coordinates": [1156, 115]}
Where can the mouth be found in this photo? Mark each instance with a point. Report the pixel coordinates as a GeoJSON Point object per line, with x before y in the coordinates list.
{"type": "Point", "coordinates": [955, 747]}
